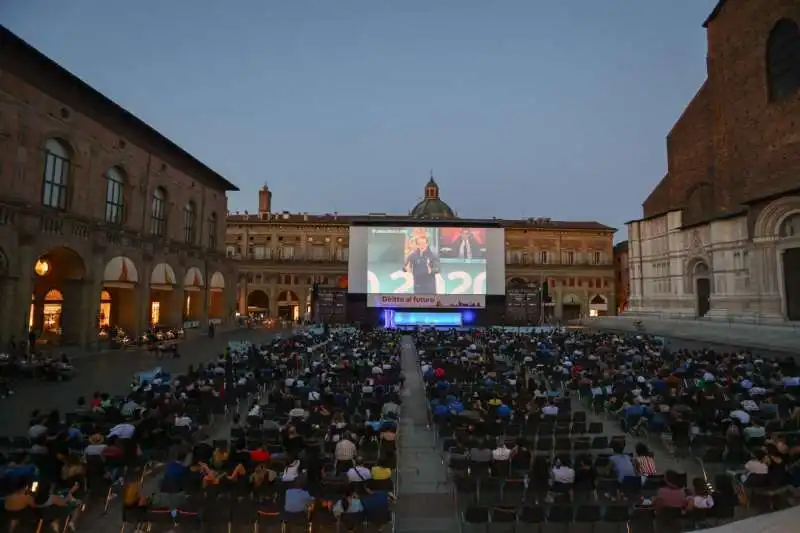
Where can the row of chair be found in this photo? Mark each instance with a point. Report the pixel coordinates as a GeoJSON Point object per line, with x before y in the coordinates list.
{"type": "Point", "coordinates": [209, 514]}
{"type": "Point", "coordinates": [529, 430]}
{"type": "Point", "coordinates": [633, 519]}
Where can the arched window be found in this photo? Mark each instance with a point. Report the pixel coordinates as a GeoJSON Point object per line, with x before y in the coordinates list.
{"type": "Point", "coordinates": [189, 216]}
{"type": "Point", "coordinates": [212, 231]}
{"type": "Point", "coordinates": [115, 196]}
{"type": "Point", "coordinates": [783, 60]}
{"type": "Point", "coordinates": [158, 212]}
{"type": "Point", "coordinates": [55, 185]}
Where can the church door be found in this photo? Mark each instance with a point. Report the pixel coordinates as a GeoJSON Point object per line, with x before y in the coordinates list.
{"type": "Point", "coordinates": [703, 294]}
{"type": "Point", "coordinates": [791, 282]}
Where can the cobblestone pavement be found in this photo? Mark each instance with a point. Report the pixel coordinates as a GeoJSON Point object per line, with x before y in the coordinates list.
{"type": "Point", "coordinates": [759, 338]}
{"type": "Point", "coordinates": [110, 372]}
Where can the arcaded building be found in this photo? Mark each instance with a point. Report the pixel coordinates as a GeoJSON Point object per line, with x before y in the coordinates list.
{"type": "Point", "coordinates": [720, 233]}
{"type": "Point", "coordinates": [103, 221]}
{"type": "Point", "coordinates": [283, 255]}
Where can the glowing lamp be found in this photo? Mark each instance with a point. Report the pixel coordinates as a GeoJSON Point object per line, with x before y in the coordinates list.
{"type": "Point", "coordinates": [42, 267]}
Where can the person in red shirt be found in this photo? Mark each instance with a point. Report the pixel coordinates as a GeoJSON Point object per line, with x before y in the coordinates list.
{"type": "Point", "coordinates": [439, 372]}
{"type": "Point", "coordinates": [259, 455]}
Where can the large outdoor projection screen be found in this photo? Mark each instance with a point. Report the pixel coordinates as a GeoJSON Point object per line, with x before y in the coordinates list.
{"type": "Point", "coordinates": [426, 266]}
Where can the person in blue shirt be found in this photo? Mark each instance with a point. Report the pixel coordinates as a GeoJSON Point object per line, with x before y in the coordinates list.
{"type": "Point", "coordinates": [376, 503]}
{"type": "Point", "coordinates": [175, 474]}
{"type": "Point", "coordinates": [504, 411]}
{"type": "Point", "coordinates": [297, 499]}
{"type": "Point", "coordinates": [621, 463]}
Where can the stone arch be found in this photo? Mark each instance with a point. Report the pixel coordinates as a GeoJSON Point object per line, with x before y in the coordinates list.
{"type": "Point", "coordinates": [194, 279]}
{"type": "Point", "coordinates": [120, 271]}
{"type": "Point", "coordinates": [216, 299]}
{"type": "Point", "coordinates": [120, 277]}
{"type": "Point", "coordinates": [56, 310]}
{"type": "Point", "coordinates": [258, 299]}
{"type": "Point", "coordinates": [163, 275]}
{"type": "Point", "coordinates": [771, 217]}
{"type": "Point", "coordinates": [288, 296]}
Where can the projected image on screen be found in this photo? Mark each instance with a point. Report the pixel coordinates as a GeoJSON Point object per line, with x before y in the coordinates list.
{"type": "Point", "coordinates": [426, 261]}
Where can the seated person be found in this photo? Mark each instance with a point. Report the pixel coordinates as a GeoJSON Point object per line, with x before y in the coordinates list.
{"type": "Point", "coordinates": [17, 502]}
{"type": "Point", "coordinates": [621, 464]}
{"type": "Point", "coordinates": [382, 470]}
{"type": "Point", "coordinates": [671, 495]}
{"type": "Point", "coordinates": [297, 499]}
{"type": "Point", "coordinates": [350, 504]}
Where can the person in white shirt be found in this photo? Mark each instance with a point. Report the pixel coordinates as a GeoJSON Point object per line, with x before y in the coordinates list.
{"type": "Point", "coordinates": [122, 431]}
{"type": "Point", "coordinates": [255, 410]}
{"type": "Point", "coordinates": [358, 473]}
{"type": "Point", "coordinates": [501, 453]}
{"type": "Point", "coordinates": [183, 421]}
{"type": "Point", "coordinates": [563, 473]}
{"type": "Point", "coordinates": [550, 409]}
{"type": "Point", "coordinates": [741, 416]}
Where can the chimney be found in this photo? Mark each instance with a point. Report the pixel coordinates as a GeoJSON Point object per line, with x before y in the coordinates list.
{"type": "Point", "coordinates": [264, 200]}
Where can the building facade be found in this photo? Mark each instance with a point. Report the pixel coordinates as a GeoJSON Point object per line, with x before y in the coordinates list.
{"type": "Point", "coordinates": [103, 221]}
{"type": "Point", "coordinates": [720, 235]}
{"type": "Point", "coordinates": [622, 276]}
{"type": "Point", "coordinates": [282, 255]}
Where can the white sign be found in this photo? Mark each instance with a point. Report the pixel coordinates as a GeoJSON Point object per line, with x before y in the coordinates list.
{"type": "Point", "coordinates": [438, 301]}
{"type": "Point", "coordinates": [191, 324]}
{"type": "Point", "coordinates": [215, 321]}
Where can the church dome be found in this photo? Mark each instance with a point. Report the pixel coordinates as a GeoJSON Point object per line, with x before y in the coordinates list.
{"type": "Point", "coordinates": [432, 206]}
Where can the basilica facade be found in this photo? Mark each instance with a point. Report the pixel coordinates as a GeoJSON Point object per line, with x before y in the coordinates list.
{"type": "Point", "coordinates": [720, 233]}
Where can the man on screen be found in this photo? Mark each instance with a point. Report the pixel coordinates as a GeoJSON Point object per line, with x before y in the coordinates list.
{"type": "Point", "coordinates": [423, 265]}
{"type": "Point", "coordinates": [465, 245]}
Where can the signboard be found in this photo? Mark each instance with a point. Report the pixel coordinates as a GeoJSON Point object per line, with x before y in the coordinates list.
{"type": "Point", "coordinates": [438, 301]}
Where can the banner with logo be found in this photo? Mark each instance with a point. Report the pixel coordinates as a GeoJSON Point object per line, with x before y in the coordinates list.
{"type": "Point", "coordinates": [438, 301]}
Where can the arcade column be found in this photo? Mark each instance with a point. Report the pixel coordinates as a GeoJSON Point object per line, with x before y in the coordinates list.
{"type": "Point", "coordinates": [90, 309]}
{"type": "Point", "coordinates": [242, 296]}
{"type": "Point", "coordinates": [23, 290]}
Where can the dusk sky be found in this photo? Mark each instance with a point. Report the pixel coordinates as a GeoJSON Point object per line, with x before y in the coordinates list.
{"type": "Point", "coordinates": [522, 108]}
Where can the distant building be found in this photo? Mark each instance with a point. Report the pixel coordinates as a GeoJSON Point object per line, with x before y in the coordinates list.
{"type": "Point", "coordinates": [621, 276]}
{"type": "Point", "coordinates": [283, 255]}
{"type": "Point", "coordinates": [103, 221]}
{"type": "Point", "coordinates": [720, 234]}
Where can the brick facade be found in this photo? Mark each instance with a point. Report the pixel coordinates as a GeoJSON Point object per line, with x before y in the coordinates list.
{"type": "Point", "coordinates": [41, 102]}
{"type": "Point", "coordinates": [732, 145]}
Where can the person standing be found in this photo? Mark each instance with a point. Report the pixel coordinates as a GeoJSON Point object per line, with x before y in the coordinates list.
{"type": "Point", "coordinates": [423, 264]}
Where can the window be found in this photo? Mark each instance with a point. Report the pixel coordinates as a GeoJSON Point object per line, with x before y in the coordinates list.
{"type": "Point", "coordinates": [596, 258]}
{"type": "Point", "coordinates": [189, 216]}
{"type": "Point", "coordinates": [56, 175]}
{"type": "Point", "coordinates": [115, 196]}
{"type": "Point", "coordinates": [783, 60]}
{"type": "Point", "coordinates": [158, 213]}
{"type": "Point", "coordinates": [212, 231]}
{"type": "Point", "coordinates": [543, 257]}
{"type": "Point", "coordinates": [569, 258]}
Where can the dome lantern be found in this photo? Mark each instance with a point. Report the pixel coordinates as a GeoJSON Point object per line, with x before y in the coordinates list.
{"type": "Point", "coordinates": [431, 205]}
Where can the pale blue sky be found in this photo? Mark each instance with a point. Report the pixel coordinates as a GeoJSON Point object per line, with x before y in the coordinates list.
{"type": "Point", "coordinates": [522, 108]}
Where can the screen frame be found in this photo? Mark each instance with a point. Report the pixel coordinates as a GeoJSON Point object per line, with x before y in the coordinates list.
{"type": "Point", "coordinates": [358, 249]}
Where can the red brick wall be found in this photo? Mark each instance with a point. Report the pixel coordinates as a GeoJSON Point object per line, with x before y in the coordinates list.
{"type": "Point", "coordinates": [730, 136]}
{"type": "Point", "coordinates": [29, 117]}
